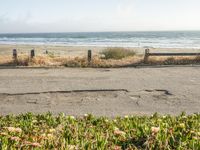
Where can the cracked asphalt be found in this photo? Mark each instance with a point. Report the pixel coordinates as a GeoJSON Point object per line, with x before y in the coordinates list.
{"type": "Point", "coordinates": [102, 92]}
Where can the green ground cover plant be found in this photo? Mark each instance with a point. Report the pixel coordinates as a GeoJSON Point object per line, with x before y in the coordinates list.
{"type": "Point", "coordinates": [45, 131]}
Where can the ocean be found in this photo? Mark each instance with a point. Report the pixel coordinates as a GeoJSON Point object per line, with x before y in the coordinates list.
{"type": "Point", "coordinates": [157, 39]}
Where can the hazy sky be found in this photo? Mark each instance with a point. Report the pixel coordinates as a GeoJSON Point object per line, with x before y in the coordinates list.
{"type": "Point", "coordinates": [98, 15]}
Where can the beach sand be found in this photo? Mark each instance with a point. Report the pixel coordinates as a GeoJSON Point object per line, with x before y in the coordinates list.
{"type": "Point", "coordinates": [76, 50]}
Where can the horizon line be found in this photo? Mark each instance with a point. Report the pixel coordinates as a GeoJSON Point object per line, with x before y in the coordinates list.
{"type": "Point", "coordinates": [100, 31]}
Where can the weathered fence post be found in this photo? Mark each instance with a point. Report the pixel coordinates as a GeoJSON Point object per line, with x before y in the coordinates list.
{"type": "Point", "coordinates": [89, 56]}
{"type": "Point", "coordinates": [14, 54]}
{"type": "Point", "coordinates": [32, 53]}
{"type": "Point", "coordinates": [146, 55]}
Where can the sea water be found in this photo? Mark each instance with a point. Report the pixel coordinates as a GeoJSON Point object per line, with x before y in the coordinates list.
{"type": "Point", "coordinates": [156, 39]}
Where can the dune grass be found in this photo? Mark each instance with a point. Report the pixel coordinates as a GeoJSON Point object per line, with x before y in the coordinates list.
{"type": "Point", "coordinates": [117, 53]}
{"type": "Point", "coordinates": [45, 131]}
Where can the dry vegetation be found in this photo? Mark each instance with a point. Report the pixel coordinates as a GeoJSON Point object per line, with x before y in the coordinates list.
{"type": "Point", "coordinates": [178, 60]}
{"type": "Point", "coordinates": [45, 60]}
{"type": "Point", "coordinates": [111, 57]}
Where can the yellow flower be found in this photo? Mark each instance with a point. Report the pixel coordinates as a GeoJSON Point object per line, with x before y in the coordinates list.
{"type": "Point", "coordinates": [72, 117]}
{"type": "Point", "coordinates": [192, 131]}
{"type": "Point", "coordinates": [195, 138]}
{"type": "Point", "coordinates": [126, 117]}
{"type": "Point", "coordinates": [182, 125]}
{"type": "Point", "coordinates": [184, 117]}
{"type": "Point", "coordinates": [198, 133]}
{"type": "Point", "coordinates": [106, 120]}
{"type": "Point", "coordinates": [43, 135]}
{"type": "Point", "coordinates": [50, 136]}
{"type": "Point", "coordinates": [52, 130]}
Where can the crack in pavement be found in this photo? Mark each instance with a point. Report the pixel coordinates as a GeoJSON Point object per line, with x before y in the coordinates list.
{"type": "Point", "coordinates": [72, 91]}
{"type": "Point", "coordinates": [166, 92]}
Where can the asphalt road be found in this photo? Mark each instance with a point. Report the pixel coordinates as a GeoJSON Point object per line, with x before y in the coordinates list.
{"type": "Point", "coordinates": [102, 92]}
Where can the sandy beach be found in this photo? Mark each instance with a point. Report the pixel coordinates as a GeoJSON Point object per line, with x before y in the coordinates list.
{"type": "Point", "coordinates": [77, 50]}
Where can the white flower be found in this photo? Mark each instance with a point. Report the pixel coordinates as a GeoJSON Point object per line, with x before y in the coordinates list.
{"type": "Point", "coordinates": [126, 117]}
{"type": "Point", "coordinates": [52, 130]}
{"type": "Point", "coordinates": [71, 147]}
{"type": "Point", "coordinates": [119, 132]}
{"type": "Point", "coordinates": [155, 130]}
{"type": "Point", "coordinates": [15, 138]}
{"type": "Point", "coordinates": [13, 129]}
{"type": "Point", "coordinates": [50, 136]}
{"type": "Point", "coordinates": [34, 121]}
{"type": "Point", "coordinates": [86, 115]}
{"type": "Point", "coordinates": [72, 117]}
{"type": "Point", "coordinates": [36, 145]}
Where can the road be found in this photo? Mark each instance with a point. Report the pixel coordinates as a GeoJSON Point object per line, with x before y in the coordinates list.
{"type": "Point", "coordinates": [102, 92]}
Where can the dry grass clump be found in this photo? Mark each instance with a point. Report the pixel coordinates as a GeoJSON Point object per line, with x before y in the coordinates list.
{"type": "Point", "coordinates": [24, 60]}
{"type": "Point", "coordinates": [177, 60]}
{"type": "Point", "coordinates": [117, 53]}
{"type": "Point", "coordinates": [97, 61]}
{"type": "Point", "coordinates": [113, 63]}
{"type": "Point", "coordinates": [6, 60]}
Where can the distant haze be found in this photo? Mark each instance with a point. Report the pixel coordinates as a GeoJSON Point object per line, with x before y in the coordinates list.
{"type": "Point", "coordinates": [30, 16]}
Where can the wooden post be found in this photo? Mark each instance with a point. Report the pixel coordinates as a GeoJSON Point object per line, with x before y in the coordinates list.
{"type": "Point", "coordinates": [146, 56]}
{"type": "Point", "coordinates": [14, 54]}
{"type": "Point", "coordinates": [89, 56]}
{"type": "Point", "coordinates": [32, 53]}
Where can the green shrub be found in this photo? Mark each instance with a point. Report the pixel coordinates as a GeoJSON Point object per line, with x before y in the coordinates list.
{"type": "Point", "coordinates": [117, 53]}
